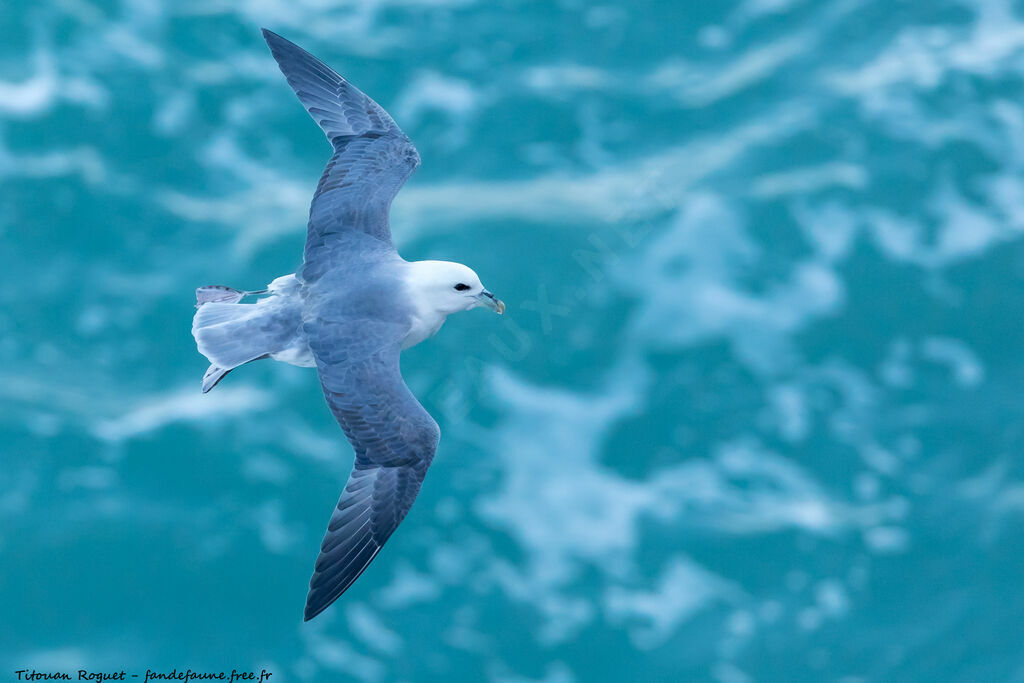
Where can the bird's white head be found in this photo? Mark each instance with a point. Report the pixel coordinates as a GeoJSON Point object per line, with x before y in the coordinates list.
{"type": "Point", "coordinates": [443, 287]}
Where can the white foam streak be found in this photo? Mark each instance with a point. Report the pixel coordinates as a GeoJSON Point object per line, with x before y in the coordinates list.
{"type": "Point", "coordinates": [40, 92]}
{"type": "Point", "coordinates": [186, 405]}
{"type": "Point", "coordinates": [697, 86]}
{"type": "Point", "coordinates": [683, 589]}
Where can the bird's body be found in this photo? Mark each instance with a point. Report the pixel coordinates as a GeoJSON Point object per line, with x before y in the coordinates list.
{"type": "Point", "coordinates": [349, 311]}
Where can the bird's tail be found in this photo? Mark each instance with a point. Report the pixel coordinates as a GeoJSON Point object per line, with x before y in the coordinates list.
{"type": "Point", "coordinates": [229, 333]}
{"type": "Point", "coordinates": [229, 295]}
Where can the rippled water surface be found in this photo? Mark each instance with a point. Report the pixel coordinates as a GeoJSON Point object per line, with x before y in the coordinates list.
{"type": "Point", "coordinates": [753, 414]}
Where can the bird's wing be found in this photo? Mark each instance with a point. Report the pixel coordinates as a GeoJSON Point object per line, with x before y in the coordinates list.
{"type": "Point", "coordinates": [372, 156]}
{"type": "Point", "coordinates": [394, 440]}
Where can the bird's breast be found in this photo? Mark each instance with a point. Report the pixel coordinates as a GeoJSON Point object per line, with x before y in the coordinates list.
{"type": "Point", "coordinates": [424, 326]}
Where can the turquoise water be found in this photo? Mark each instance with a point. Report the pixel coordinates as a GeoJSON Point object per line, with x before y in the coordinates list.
{"type": "Point", "coordinates": [753, 413]}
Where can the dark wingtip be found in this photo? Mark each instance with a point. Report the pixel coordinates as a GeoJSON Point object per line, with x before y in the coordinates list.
{"type": "Point", "coordinates": [276, 43]}
{"type": "Point", "coordinates": [286, 54]}
{"type": "Point", "coordinates": [312, 611]}
{"type": "Point", "coordinates": [317, 601]}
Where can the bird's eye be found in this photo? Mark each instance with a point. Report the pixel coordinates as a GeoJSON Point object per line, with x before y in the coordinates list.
{"type": "Point", "coordinates": [461, 287]}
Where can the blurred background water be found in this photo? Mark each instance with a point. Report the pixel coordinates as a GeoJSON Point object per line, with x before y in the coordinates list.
{"type": "Point", "coordinates": [753, 413]}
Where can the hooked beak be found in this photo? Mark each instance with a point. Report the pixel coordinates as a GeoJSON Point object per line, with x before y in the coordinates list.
{"type": "Point", "coordinates": [487, 299]}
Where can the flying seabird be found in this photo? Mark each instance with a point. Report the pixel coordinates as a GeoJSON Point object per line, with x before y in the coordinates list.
{"type": "Point", "coordinates": [349, 311]}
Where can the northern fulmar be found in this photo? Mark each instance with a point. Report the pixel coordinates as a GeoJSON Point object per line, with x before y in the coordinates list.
{"type": "Point", "coordinates": [349, 311]}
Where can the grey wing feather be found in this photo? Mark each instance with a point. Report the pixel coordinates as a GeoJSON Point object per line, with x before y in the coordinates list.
{"type": "Point", "coordinates": [372, 157]}
{"type": "Point", "coordinates": [394, 440]}
{"type": "Point", "coordinates": [336, 105]}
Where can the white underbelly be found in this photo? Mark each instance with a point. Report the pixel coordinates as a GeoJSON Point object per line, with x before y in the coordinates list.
{"type": "Point", "coordinates": [298, 353]}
